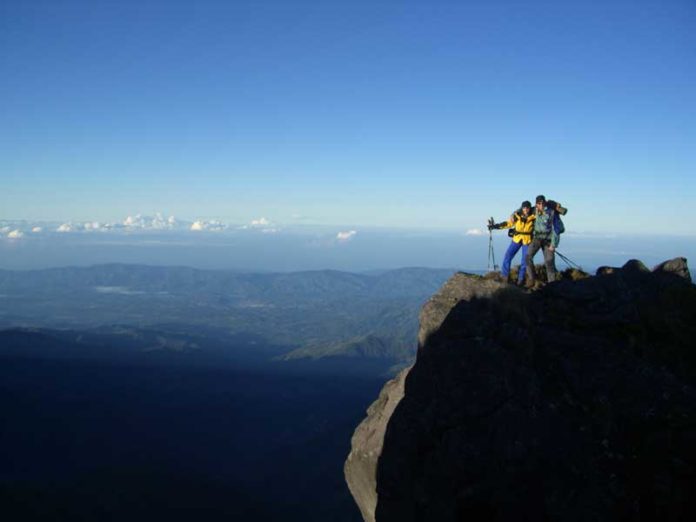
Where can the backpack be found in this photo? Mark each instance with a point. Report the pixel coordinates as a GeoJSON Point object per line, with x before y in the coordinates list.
{"type": "Point", "coordinates": [558, 226]}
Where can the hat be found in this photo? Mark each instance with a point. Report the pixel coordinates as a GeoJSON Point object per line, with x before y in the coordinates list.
{"type": "Point", "coordinates": [526, 204]}
{"type": "Point", "coordinates": [541, 199]}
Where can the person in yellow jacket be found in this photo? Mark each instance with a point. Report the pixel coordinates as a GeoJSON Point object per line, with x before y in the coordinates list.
{"type": "Point", "coordinates": [521, 224]}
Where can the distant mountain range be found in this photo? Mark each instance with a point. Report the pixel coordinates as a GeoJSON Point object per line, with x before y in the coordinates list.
{"type": "Point", "coordinates": [238, 288]}
{"type": "Point", "coordinates": [317, 314]}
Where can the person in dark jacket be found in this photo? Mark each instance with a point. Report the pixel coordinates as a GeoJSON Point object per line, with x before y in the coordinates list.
{"type": "Point", "coordinates": [546, 237]}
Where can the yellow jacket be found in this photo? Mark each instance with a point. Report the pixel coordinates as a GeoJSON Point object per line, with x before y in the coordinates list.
{"type": "Point", "coordinates": [524, 226]}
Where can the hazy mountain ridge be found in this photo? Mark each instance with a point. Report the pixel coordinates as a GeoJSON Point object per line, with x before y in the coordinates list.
{"type": "Point", "coordinates": [365, 346]}
{"type": "Point", "coordinates": [282, 288]}
{"type": "Point", "coordinates": [306, 310]}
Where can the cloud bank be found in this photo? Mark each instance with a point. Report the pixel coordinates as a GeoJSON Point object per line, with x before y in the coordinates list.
{"type": "Point", "coordinates": [263, 225]}
{"type": "Point", "coordinates": [261, 222]}
{"type": "Point", "coordinates": [133, 223]}
{"type": "Point", "coordinates": [346, 236]}
{"type": "Point", "coordinates": [156, 222]}
{"type": "Point", "coordinates": [213, 225]}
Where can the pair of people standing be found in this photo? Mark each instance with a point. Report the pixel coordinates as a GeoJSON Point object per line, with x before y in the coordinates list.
{"type": "Point", "coordinates": [531, 232]}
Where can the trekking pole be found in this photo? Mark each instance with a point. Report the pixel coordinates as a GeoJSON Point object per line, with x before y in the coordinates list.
{"type": "Point", "coordinates": [491, 252]}
{"type": "Point", "coordinates": [571, 264]}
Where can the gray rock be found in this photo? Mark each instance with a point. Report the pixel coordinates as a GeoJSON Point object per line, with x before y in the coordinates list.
{"type": "Point", "coordinates": [576, 402]}
{"type": "Point", "coordinates": [635, 265]}
{"type": "Point", "coordinates": [676, 266]}
{"type": "Point", "coordinates": [460, 286]}
{"type": "Point", "coordinates": [360, 467]}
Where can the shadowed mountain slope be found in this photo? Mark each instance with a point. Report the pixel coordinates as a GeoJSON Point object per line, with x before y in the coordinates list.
{"type": "Point", "coordinates": [98, 428]}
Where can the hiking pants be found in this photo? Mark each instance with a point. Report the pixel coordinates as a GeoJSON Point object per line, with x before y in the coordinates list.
{"type": "Point", "coordinates": [510, 254]}
{"type": "Point", "coordinates": [549, 259]}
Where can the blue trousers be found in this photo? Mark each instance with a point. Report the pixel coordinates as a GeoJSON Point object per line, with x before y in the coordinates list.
{"type": "Point", "coordinates": [509, 254]}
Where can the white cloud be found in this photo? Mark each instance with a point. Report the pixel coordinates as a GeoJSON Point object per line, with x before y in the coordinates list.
{"type": "Point", "coordinates": [347, 235]}
{"type": "Point", "coordinates": [213, 225]}
{"type": "Point", "coordinates": [15, 234]}
{"type": "Point", "coordinates": [474, 232]}
{"type": "Point", "coordinates": [156, 222]}
{"type": "Point", "coordinates": [132, 221]}
{"type": "Point", "coordinates": [159, 222]}
{"type": "Point", "coordinates": [92, 225]}
{"type": "Point", "coordinates": [261, 222]}
{"type": "Point", "coordinates": [140, 221]}
{"type": "Point", "coordinates": [263, 225]}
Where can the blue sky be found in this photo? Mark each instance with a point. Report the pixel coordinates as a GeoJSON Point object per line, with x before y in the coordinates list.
{"type": "Point", "coordinates": [400, 114]}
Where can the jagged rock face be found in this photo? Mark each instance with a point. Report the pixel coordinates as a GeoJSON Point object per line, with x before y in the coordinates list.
{"type": "Point", "coordinates": [367, 441]}
{"type": "Point", "coordinates": [361, 465]}
{"type": "Point", "coordinates": [575, 402]}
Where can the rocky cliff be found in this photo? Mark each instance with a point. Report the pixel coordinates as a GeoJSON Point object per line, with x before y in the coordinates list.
{"type": "Point", "coordinates": [573, 402]}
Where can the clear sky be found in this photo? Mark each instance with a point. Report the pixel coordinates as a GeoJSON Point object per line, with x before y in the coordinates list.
{"type": "Point", "coordinates": [408, 114]}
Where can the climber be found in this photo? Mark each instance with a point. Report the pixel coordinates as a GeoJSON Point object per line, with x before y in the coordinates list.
{"type": "Point", "coordinates": [521, 224]}
{"type": "Point", "coordinates": [546, 235]}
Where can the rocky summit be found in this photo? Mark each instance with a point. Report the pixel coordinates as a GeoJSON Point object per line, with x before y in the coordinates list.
{"type": "Point", "coordinates": [574, 402]}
